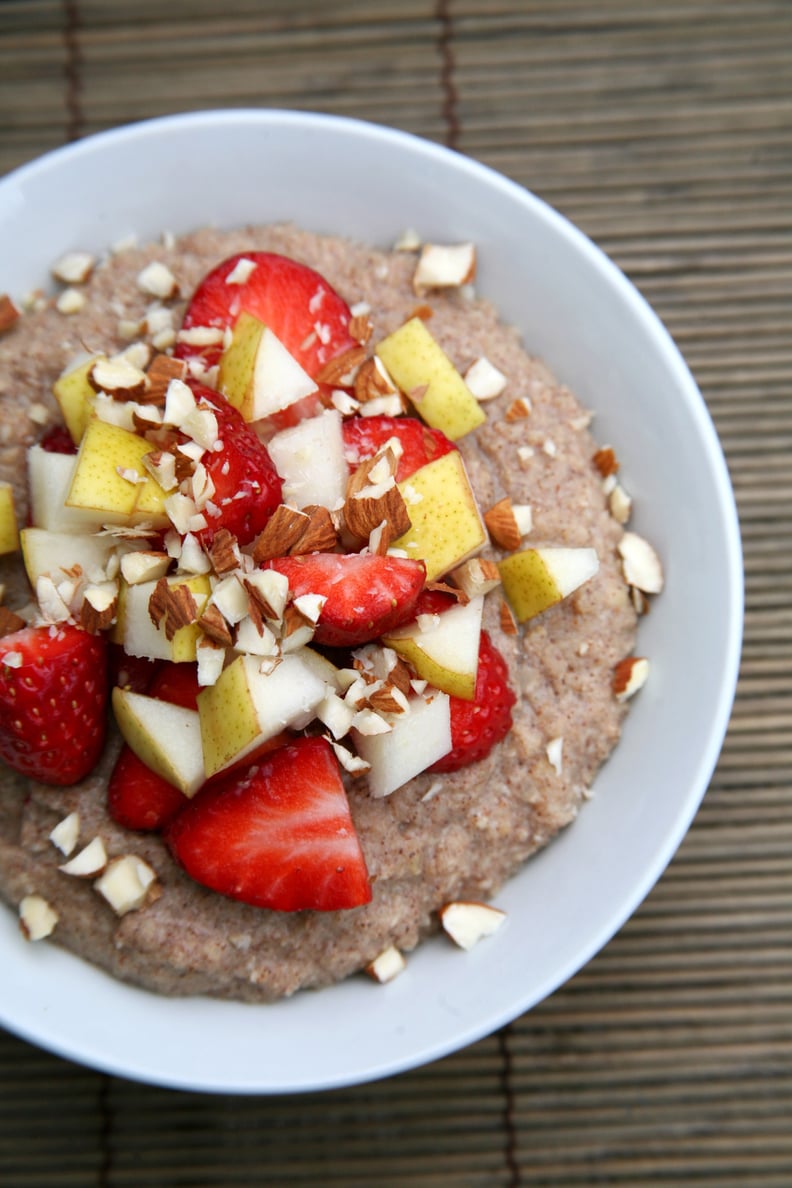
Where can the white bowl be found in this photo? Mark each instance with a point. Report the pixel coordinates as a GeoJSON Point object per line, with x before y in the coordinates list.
{"type": "Point", "coordinates": [577, 311]}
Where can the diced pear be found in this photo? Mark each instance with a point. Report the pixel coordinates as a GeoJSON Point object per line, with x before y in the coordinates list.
{"type": "Point", "coordinates": [166, 737]}
{"type": "Point", "coordinates": [446, 527]}
{"type": "Point", "coordinates": [246, 707]}
{"type": "Point", "coordinates": [75, 395]}
{"type": "Point", "coordinates": [9, 532]}
{"type": "Point", "coordinates": [418, 739]}
{"type": "Point", "coordinates": [444, 651]}
{"type": "Point", "coordinates": [415, 360]}
{"type": "Point", "coordinates": [310, 459]}
{"type": "Point", "coordinates": [536, 579]}
{"type": "Point", "coordinates": [108, 454]}
{"type": "Point", "coordinates": [257, 374]}
{"type": "Point", "coordinates": [140, 637]}
{"type": "Point", "coordinates": [49, 479]}
{"type": "Point", "coordinates": [55, 553]}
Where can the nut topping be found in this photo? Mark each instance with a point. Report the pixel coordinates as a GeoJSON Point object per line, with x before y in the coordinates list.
{"type": "Point", "coordinates": [8, 312]}
{"type": "Point", "coordinates": [502, 525]}
{"type": "Point", "coordinates": [629, 676]}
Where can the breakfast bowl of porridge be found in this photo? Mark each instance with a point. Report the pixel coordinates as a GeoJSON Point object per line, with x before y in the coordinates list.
{"type": "Point", "coordinates": [371, 601]}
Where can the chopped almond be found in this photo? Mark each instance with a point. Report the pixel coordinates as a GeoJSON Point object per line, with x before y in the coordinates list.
{"type": "Point", "coordinates": [319, 534]}
{"type": "Point", "coordinates": [74, 268]}
{"type": "Point", "coordinates": [444, 266]}
{"type": "Point", "coordinates": [502, 525]}
{"type": "Point", "coordinates": [172, 605]}
{"type": "Point", "coordinates": [476, 576]}
{"type": "Point", "coordinates": [361, 328]}
{"type": "Point", "coordinates": [224, 552]}
{"type": "Point", "coordinates": [342, 369]}
{"type": "Point", "coordinates": [215, 626]}
{"type": "Point", "coordinates": [119, 377]}
{"type": "Point", "coordinates": [37, 918]}
{"type": "Point", "coordinates": [519, 409]}
{"type": "Point", "coordinates": [641, 564]}
{"type": "Point", "coordinates": [507, 620]}
{"type": "Point", "coordinates": [283, 529]}
{"type": "Point", "coordinates": [605, 461]}
{"type": "Point", "coordinates": [160, 372]}
{"type": "Point", "coordinates": [468, 922]}
{"type": "Point", "coordinates": [387, 965]}
{"type": "Point", "coordinates": [485, 380]}
{"type": "Point", "coordinates": [9, 313]}
{"type": "Point", "coordinates": [629, 676]}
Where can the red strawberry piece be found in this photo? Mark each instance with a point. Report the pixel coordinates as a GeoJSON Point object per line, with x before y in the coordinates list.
{"type": "Point", "coordinates": [365, 436]}
{"type": "Point", "coordinates": [131, 672]}
{"type": "Point", "coordinates": [176, 683]}
{"type": "Point", "coordinates": [477, 725]}
{"type": "Point", "coordinates": [58, 440]}
{"type": "Point", "coordinates": [247, 485]}
{"type": "Point", "coordinates": [367, 595]}
{"type": "Point", "coordinates": [53, 698]}
{"type": "Point", "coordinates": [279, 835]}
{"type": "Point", "coordinates": [139, 798]}
{"type": "Point", "coordinates": [297, 303]}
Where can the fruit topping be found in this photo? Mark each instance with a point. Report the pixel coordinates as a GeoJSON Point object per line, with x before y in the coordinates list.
{"type": "Point", "coordinates": [418, 444]}
{"type": "Point", "coordinates": [297, 304]}
{"type": "Point", "coordinates": [365, 596]}
{"type": "Point", "coordinates": [53, 698]}
{"type": "Point", "coordinates": [478, 724]}
{"type": "Point", "coordinates": [279, 835]}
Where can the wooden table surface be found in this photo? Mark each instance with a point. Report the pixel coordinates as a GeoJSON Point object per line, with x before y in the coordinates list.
{"type": "Point", "coordinates": [665, 132]}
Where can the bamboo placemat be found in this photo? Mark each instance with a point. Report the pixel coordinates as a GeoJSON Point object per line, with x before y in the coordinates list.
{"type": "Point", "coordinates": [665, 132]}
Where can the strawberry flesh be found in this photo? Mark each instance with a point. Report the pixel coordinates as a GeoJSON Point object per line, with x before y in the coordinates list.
{"type": "Point", "coordinates": [298, 305]}
{"type": "Point", "coordinates": [477, 725]}
{"type": "Point", "coordinates": [367, 595]}
{"type": "Point", "coordinates": [365, 436]}
{"type": "Point", "coordinates": [279, 835]}
{"type": "Point", "coordinates": [53, 699]}
{"type": "Point", "coordinates": [247, 485]}
{"type": "Point", "coordinates": [138, 798]}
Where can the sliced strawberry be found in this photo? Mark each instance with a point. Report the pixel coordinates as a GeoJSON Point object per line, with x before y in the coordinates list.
{"type": "Point", "coordinates": [247, 487]}
{"type": "Point", "coordinates": [365, 436]}
{"type": "Point", "coordinates": [297, 303]}
{"type": "Point", "coordinates": [58, 440]}
{"type": "Point", "coordinates": [138, 798]}
{"type": "Point", "coordinates": [53, 698]}
{"type": "Point", "coordinates": [366, 595]}
{"type": "Point", "coordinates": [130, 672]}
{"type": "Point", "coordinates": [176, 683]}
{"type": "Point", "coordinates": [477, 725]}
{"type": "Point", "coordinates": [278, 836]}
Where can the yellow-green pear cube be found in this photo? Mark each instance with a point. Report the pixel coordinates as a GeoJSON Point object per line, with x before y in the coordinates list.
{"type": "Point", "coordinates": [444, 649]}
{"type": "Point", "coordinates": [257, 374]}
{"type": "Point", "coordinates": [536, 579]}
{"type": "Point", "coordinates": [9, 531]}
{"type": "Point", "coordinates": [246, 707]}
{"type": "Point", "coordinates": [137, 633]}
{"type": "Point", "coordinates": [108, 461]}
{"type": "Point", "coordinates": [446, 524]}
{"type": "Point", "coordinates": [75, 395]}
{"type": "Point", "coordinates": [166, 737]}
{"type": "Point", "coordinates": [238, 360]}
{"type": "Point", "coordinates": [415, 360]}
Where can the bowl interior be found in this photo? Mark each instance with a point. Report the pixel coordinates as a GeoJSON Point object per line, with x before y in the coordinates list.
{"type": "Point", "coordinates": [580, 314]}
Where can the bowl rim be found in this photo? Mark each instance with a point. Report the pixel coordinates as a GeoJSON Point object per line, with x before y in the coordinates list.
{"type": "Point", "coordinates": [708, 756]}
